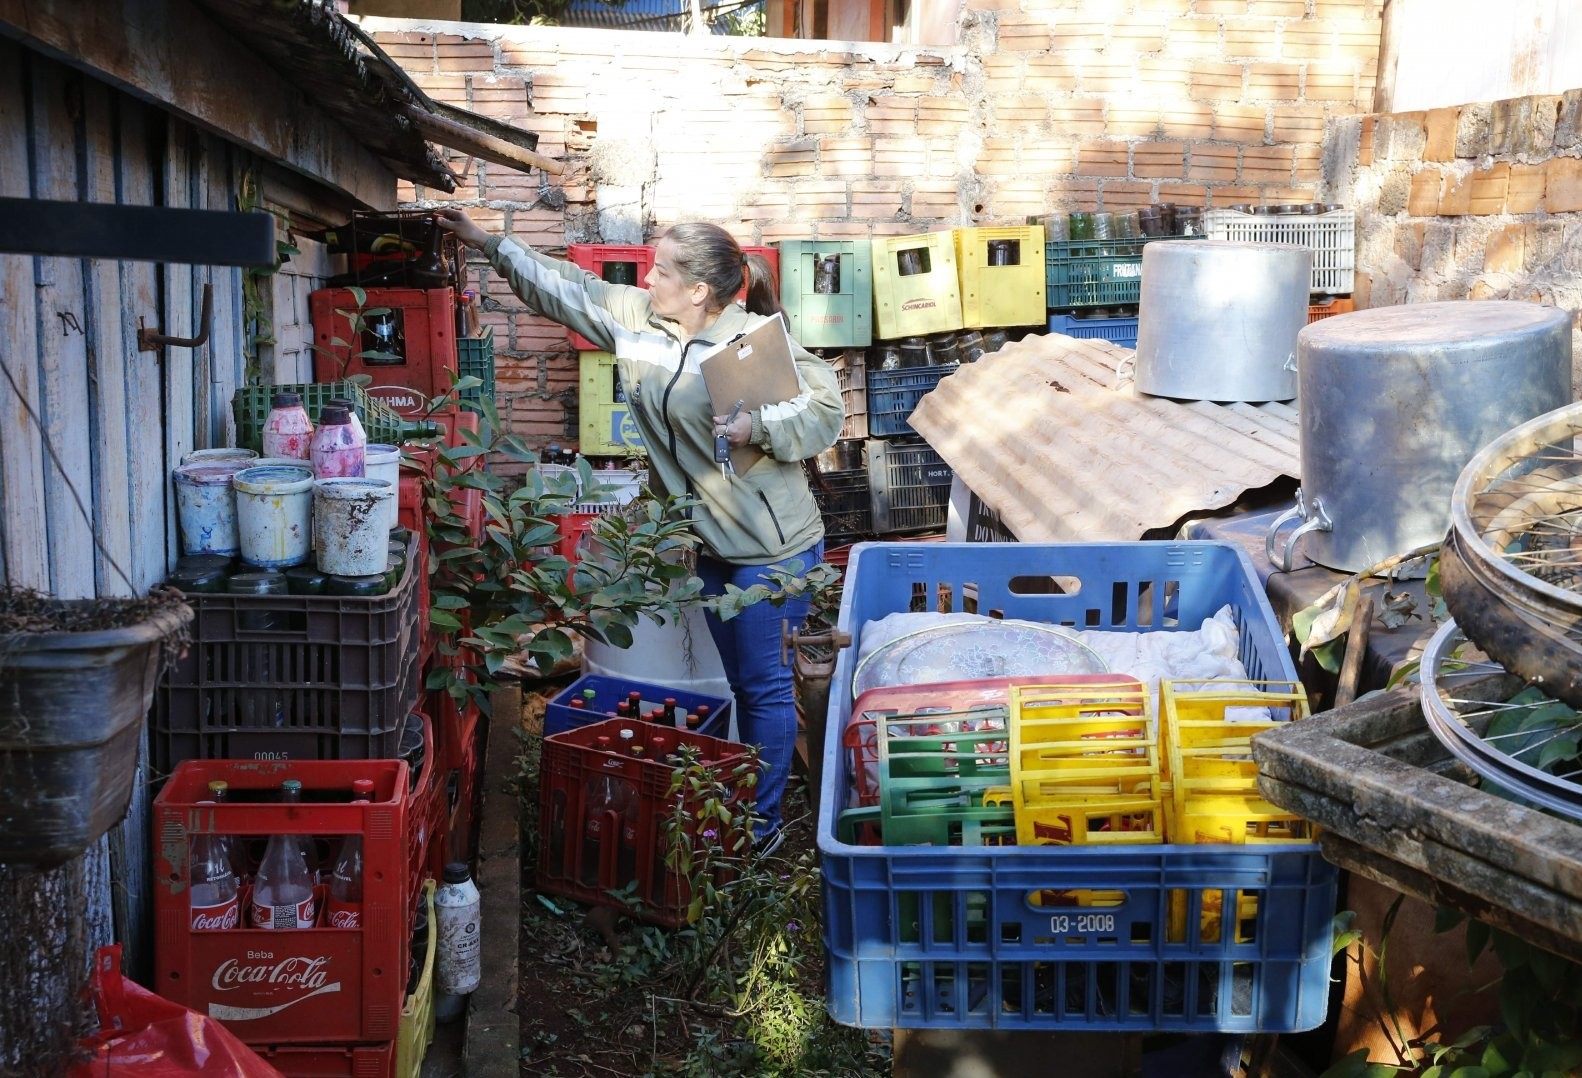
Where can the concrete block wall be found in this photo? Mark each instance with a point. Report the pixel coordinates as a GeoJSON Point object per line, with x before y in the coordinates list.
{"type": "Point", "coordinates": [1477, 201]}
{"type": "Point", "coordinates": [1045, 106]}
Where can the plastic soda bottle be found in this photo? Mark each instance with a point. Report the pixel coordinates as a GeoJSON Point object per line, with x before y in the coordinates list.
{"type": "Point", "coordinates": [344, 906]}
{"type": "Point", "coordinates": [283, 885]}
{"type": "Point", "coordinates": [458, 951]}
{"type": "Point", "coordinates": [337, 448]}
{"type": "Point", "coordinates": [288, 432]}
{"type": "Point", "coordinates": [212, 884]}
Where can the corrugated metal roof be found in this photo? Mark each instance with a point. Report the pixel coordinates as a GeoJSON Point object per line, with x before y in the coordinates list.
{"type": "Point", "coordinates": [323, 53]}
{"type": "Point", "coordinates": [657, 15]}
{"type": "Point", "coordinates": [1048, 436]}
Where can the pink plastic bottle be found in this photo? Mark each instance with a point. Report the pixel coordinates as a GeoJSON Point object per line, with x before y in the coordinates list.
{"type": "Point", "coordinates": [338, 450]}
{"type": "Point", "coordinates": [288, 432]}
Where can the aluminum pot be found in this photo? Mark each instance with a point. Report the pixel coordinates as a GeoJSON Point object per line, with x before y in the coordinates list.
{"type": "Point", "coordinates": [1218, 321]}
{"type": "Point", "coordinates": [1394, 402]}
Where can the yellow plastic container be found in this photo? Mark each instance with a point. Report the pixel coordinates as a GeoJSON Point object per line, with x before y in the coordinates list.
{"type": "Point", "coordinates": [1207, 728]}
{"type": "Point", "coordinates": [604, 424]}
{"type": "Point", "coordinates": [1003, 276]}
{"type": "Point", "coordinates": [1085, 764]}
{"type": "Point", "coordinates": [916, 290]}
{"type": "Point", "coordinates": [416, 1031]}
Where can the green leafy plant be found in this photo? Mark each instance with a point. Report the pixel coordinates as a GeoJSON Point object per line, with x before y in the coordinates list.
{"type": "Point", "coordinates": [1540, 1002]}
{"type": "Point", "coordinates": [360, 321]}
{"type": "Point", "coordinates": [260, 330]}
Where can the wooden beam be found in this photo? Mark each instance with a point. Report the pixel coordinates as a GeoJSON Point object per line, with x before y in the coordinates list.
{"type": "Point", "coordinates": [468, 140]}
{"type": "Point", "coordinates": [173, 54]}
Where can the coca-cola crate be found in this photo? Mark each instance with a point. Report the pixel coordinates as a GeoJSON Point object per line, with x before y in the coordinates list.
{"type": "Point", "coordinates": [458, 733]}
{"type": "Point", "coordinates": [292, 677]}
{"type": "Point", "coordinates": [424, 819]}
{"type": "Point", "coordinates": [262, 983]}
{"type": "Point", "coordinates": [573, 862]}
{"type": "Point", "coordinates": [331, 1060]}
{"type": "Point", "coordinates": [560, 716]}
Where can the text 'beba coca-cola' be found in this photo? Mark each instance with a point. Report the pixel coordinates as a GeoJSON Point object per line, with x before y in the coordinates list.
{"type": "Point", "coordinates": [296, 971]}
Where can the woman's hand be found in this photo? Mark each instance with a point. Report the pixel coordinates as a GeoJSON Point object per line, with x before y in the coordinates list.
{"type": "Point", "coordinates": [737, 431]}
{"type": "Point", "coordinates": [456, 220]}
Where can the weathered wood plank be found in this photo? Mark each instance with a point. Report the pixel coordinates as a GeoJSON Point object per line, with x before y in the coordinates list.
{"type": "Point", "coordinates": [228, 359]}
{"type": "Point", "coordinates": [24, 543]}
{"type": "Point", "coordinates": [56, 94]}
{"type": "Point", "coordinates": [150, 499]}
{"type": "Point", "coordinates": [173, 52]}
{"type": "Point", "coordinates": [177, 308]}
{"type": "Point", "coordinates": [108, 355]}
{"type": "Point", "coordinates": [203, 373]}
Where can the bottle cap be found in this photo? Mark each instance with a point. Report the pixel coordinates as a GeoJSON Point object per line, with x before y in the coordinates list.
{"type": "Point", "coordinates": [291, 788]}
{"type": "Point", "coordinates": [333, 415]}
{"type": "Point", "coordinates": [218, 786]}
{"type": "Point", "coordinates": [456, 872]}
{"type": "Point", "coordinates": [363, 788]}
{"type": "Point", "coordinates": [285, 400]}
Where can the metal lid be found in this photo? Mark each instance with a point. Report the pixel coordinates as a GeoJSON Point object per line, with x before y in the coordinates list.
{"type": "Point", "coordinates": [456, 872]}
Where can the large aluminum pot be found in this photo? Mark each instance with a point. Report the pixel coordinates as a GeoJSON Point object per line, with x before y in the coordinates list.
{"type": "Point", "coordinates": [1218, 321]}
{"type": "Point", "coordinates": [1394, 402]}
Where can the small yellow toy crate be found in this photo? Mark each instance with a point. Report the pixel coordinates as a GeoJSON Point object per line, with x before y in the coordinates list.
{"type": "Point", "coordinates": [1207, 729]}
{"type": "Point", "coordinates": [1003, 276]}
{"type": "Point", "coordinates": [605, 426]}
{"type": "Point", "coordinates": [915, 287]}
{"type": "Point", "coordinates": [1084, 764]}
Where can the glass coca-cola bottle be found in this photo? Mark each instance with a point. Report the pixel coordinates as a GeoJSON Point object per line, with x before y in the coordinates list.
{"type": "Point", "coordinates": [212, 884]}
{"type": "Point", "coordinates": [283, 885]}
{"type": "Point", "coordinates": [343, 908]}
{"type": "Point", "coordinates": [606, 801]}
{"type": "Point", "coordinates": [234, 848]}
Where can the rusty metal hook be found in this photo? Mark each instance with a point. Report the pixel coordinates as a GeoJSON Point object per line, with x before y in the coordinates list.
{"type": "Point", "coordinates": [151, 340]}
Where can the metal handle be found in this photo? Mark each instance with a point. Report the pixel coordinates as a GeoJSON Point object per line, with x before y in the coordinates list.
{"type": "Point", "coordinates": [1126, 370]}
{"type": "Point", "coordinates": [151, 340]}
{"type": "Point", "coordinates": [1290, 363]}
{"type": "Point", "coordinates": [1319, 521]}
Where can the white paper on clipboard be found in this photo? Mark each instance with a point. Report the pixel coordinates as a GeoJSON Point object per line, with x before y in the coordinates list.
{"type": "Point", "coordinates": [756, 368]}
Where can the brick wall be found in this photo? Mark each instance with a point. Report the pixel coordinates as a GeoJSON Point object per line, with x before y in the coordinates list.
{"type": "Point", "coordinates": [1045, 106]}
{"type": "Point", "coordinates": [1478, 201]}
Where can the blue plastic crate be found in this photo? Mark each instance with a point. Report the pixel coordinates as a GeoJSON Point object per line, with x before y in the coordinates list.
{"type": "Point", "coordinates": [892, 395]}
{"type": "Point", "coordinates": [560, 716]}
{"type": "Point", "coordinates": [1121, 331]}
{"type": "Point", "coordinates": [1116, 938]}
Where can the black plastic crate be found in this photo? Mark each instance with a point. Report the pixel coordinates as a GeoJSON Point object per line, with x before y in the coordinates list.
{"type": "Point", "coordinates": [844, 500]}
{"type": "Point", "coordinates": [909, 485]}
{"type": "Point", "coordinates": [292, 677]}
{"type": "Point", "coordinates": [892, 395]}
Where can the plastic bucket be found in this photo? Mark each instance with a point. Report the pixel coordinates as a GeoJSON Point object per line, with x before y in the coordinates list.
{"type": "Point", "coordinates": [349, 536]}
{"type": "Point", "coordinates": [274, 514]}
{"type": "Point", "coordinates": [220, 456]}
{"type": "Point", "coordinates": [679, 653]}
{"type": "Point", "coordinates": [384, 462]}
{"type": "Point", "coordinates": [206, 506]}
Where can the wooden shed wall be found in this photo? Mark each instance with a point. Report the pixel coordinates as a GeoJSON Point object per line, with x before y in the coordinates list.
{"type": "Point", "coordinates": [89, 430]}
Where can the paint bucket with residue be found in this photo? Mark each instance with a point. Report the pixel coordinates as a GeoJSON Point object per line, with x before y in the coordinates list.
{"type": "Point", "coordinates": [274, 514]}
{"type": "Point", "coordinates": [349, 533]}
{"type": "Point", "coordinates": [221, 456]}
{"type": "Point", "coordinates": [384, 462]}
{"type": "Point", "coordinates": [206, 506]}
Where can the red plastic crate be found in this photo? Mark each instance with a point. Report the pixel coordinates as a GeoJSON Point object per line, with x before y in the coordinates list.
{"type": "Point", "coordinates": [261, 983]}
{"type": "Point", "coordinates": [331, 1060]}
{"type": "Point", "coordinates": [457, 732]}
{"type": "Point", "coordinates": [566, 865]}
{"type": "Point", "coordinates": [427, 323]}
{"type": "Point", "coordinates": [595, 258]}
{"type": "Point", "coordinates": [1334, 305]}
{"type": "Point", "coordinates": [573, 526]}
{"type": "Point", "coordinates": [423, 818]}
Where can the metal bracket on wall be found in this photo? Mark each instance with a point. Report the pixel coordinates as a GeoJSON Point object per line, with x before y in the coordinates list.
{"type": "Point", "coordinates": [151, 340]}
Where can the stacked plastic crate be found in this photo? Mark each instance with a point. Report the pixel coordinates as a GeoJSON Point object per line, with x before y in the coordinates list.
{"type": "Point", "coordinates": [1328, 230]}
{"type": "Point", "coordinates": [1067, 852]}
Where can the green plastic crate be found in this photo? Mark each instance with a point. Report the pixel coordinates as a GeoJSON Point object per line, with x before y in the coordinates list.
{"type": "Point", "coordinates": [251, 408]}
{"type": "Point", "coordinates": [1096, 273]}
{"type": "Point", "coordinates": [475, 357]}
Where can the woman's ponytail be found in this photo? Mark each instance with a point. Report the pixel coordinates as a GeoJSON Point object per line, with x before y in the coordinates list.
{"type": "Point", "coordinates": [763, 291]}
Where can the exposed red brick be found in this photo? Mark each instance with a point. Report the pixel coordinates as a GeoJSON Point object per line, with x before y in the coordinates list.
{"type": "Point", "coordinates": [1076, 117]}
{"type": "Point", "coordinates": [1526, 191]}
{"type": "Point", "coordinates": [1101, 159]}
{"type": "Point", "coordinates": [1125, 194]}
{"type": "Point", "coordinates": [1210, 162]}
{"type": "Point", "coordinates": [1186, 119]}
{"type": "Point", "coordinates": [1239, 123]}
{"type": "Point", "coordinates": [1216, 82]}
{"type": "Point", "coordinates": [1158, 160]}
{"type": "Point", "coordinates": [1274, 82]}
{"type": "Point", "coordinates": [1193, 37]}
{"type": "Point", "coordinates": [1126, 117]}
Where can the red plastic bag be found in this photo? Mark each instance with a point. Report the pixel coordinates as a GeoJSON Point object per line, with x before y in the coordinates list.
{"type": "Point", "coordinates": [147, 1036]}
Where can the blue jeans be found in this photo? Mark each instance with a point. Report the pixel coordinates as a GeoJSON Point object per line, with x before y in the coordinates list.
{"type": "Point", "coordinates": [749, 646]}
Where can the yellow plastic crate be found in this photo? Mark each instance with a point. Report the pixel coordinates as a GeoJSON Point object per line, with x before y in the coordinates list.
{"type": "Point", "coordinates": [1003, 276]}
{"type": "Point", "coordinates": [604, 425]}
{"type": "Point", "coordinates": [916, 290]}
{"type": "Point", "coordinates": [1207, 728]}
{"type": "Point", "coordinates": [416, 1031]}
{"type": "Point", "coordinates": [1085, 764]}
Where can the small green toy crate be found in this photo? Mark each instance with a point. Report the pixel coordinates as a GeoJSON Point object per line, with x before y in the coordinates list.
{"type": "Point", "coordinates": [251, 408]}
{"type": "Point", "coordinates": [475, 357]}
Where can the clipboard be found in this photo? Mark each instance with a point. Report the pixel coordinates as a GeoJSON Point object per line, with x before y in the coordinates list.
{"type": "Point", "coordinates": [756, 368]}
